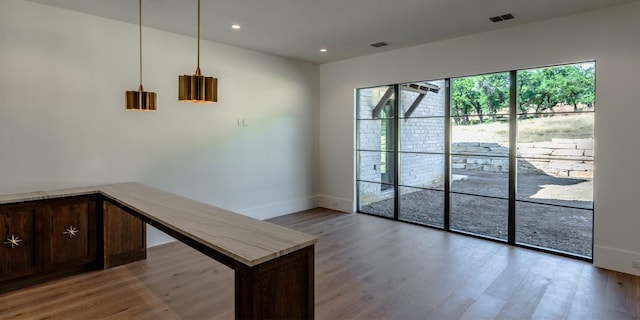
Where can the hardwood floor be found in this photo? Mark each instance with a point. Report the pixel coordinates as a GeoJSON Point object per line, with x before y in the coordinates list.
{"type": "Point", "coordinates": [366, 268]}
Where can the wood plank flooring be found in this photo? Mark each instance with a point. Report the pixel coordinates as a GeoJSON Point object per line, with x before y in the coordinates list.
{"type": "Point", "coordinates": [366, 268]}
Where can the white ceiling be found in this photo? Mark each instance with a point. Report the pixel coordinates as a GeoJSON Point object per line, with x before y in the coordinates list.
{"type": "Point", "coordinates": [299, 28]}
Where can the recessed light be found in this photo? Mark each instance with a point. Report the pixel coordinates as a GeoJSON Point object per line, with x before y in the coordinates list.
{"type": "Point", "coordinates": [235, 26]}
{"type": "Point", "coordinates": [323, 50]}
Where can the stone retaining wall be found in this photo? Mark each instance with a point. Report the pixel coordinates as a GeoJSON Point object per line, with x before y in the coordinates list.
{"type": "Point", "coordinates": [482, 156]}
{"type": "Point", "coordinates": [558, 157]}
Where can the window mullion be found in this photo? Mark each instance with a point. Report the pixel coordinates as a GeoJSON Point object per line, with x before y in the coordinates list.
{"type": "Point", "coordinates": [447, 155]}
{"type": "Point", "coordinates": [513, 153]}
{"type": "Point", "coordinates": [396, 152]}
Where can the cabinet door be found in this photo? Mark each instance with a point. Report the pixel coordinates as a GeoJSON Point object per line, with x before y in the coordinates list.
{"type": "Point", "coordinates": [70, 232]}
{"type": "Point", "coordinates": [124, 235]}
{"type": "Point", "coordinates": [18, 256]}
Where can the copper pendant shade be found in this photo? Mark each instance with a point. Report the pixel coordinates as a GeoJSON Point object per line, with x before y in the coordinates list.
{"type": "Point", "coordinates": [141, 100]}
{"type": "Point", "coordinates": [197, 88]}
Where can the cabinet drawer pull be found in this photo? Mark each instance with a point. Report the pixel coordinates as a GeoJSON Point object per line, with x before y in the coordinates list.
{"type": "Point", "coordinates": [14, 241]}
{"type": "Point", "coordinates": [71, 232]}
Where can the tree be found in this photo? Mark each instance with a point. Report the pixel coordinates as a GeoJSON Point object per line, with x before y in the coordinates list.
{"type": "Point", "coordinates": [526, 87]}
{"type": "Point", "coordinates": [484, 94]}
{"type": "Point", "coordinates": [495, 89]}
{"type": "Point", "coordinates": [578, 85]}
{"type": "Point", "coordinates": [539, 90]}
{"type": "Point", "coordinates": [542, 89]}
{"type": "Point", "coordinates": [545, 88]}
{"type": "Point", "coordinates": [463, 94]}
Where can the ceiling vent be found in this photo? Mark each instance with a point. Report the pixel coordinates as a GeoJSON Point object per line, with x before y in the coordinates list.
{"type": "Point", "coordinates": [503, 17]}
{"type": "Point", "coordinates": [379, 44]}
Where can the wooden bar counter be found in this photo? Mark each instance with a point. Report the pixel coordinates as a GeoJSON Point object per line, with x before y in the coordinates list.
{"type": "Point", "coordinates": [274, 266]}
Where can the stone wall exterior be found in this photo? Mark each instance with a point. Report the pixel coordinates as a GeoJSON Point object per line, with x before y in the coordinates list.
{"type": "Point", "coordinates": [558, 157]}
{"type": "Point", "coordinates": [482, 156]}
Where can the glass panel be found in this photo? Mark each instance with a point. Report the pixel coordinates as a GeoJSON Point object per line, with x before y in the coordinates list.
{"type": "Point", "coordinates": [559, 182]}
{"type": "Point", "coordinates": [376, 198]}
{"type": "Point", "coordinates": [562, 136]}
{"type": "Point", "coordinates": [375, 166]}
{"type": "Point", "coordinates": [487, 176]}
{"type": "Point", "coordinates": [556, 159]}
{"type": "Point", "coordinates": [422, 170]}
{"type": "Point", "coordinates": [545, 91]}
{"type": "Point", "coordinates": [480, 150]}
{"type": "Point", "coordinates": [422, 99]}
{"type": "Point", "coordinates": [471, 136]}
{"type": "Point", "coordinates": [485, 96]}
{"type": "Point", "coordinates": [376, 134]}
{"type": "Point", "coordinates": [422, 135]}
{"type": "Point", "coordinates": [376, 145]}
{"type": "Point", "coordinates": [479, 215]}
{"type": "Point", "coordinates": [422, 206]}
{"type": "Point", "coordinates": [375, 103]}
{"type": "Point", "coordinates": [558, 228]}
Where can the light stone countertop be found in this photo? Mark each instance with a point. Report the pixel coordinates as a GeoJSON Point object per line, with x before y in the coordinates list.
{"type": "Point", "coordinates": [244, 239]}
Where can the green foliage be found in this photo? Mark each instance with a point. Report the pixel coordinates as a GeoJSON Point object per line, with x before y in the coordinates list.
{"type": "Point", "coordinates": [479, 96]}
{"type": "Point", "coordinates": [464, 98]}
{"type": "Point", "coordinates": [539, 91]}
{"type": "Point", "coordinates": [542, 89]}
{"type": "Point", "coordinates": [495, 89]}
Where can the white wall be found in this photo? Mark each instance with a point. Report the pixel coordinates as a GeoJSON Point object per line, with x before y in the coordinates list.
{"type": "Point", "coordinates": [63, 123]}
{"type": "Point", "coordinates": [609, 36]}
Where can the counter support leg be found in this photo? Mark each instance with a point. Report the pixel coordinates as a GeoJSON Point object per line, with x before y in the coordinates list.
{"type": "Point", "coordinates": [282, 288]}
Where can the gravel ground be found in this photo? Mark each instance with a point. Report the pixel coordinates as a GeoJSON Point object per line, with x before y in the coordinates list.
{"type": "Point", "coordinates": [558, 228]}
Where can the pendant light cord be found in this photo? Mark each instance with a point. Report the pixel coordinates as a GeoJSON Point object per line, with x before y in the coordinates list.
{"type": "Point", "coordinates": [140, 22]}
{"type": "Point", "coordinates": [198, 68]}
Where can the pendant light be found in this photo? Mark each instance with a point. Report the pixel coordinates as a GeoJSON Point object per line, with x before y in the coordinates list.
{"type": "Point", "coordinates": [198, 88]}
{"type": "Point", "coordinates": [141, 100]}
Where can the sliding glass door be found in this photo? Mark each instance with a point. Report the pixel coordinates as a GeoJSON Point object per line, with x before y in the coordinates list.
{"type": "Point", "coordinates": [507, 156]}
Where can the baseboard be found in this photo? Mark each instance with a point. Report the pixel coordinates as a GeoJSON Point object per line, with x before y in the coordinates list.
{"type": "Point", "coordinates": [156, 237]}
{"type": "Point", "coordinates": [334, 203]}
{"type": "Point", "coordinates": [277, 209]}
{"type": "Point", "coordinates": [616, 259]}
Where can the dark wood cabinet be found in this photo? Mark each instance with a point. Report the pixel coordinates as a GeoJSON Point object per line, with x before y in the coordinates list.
{"type": "Point", "coordinates": [49, 239]}
{"type": "Point", "coordinates": [18, 252]}
{"type": "Point", "coordinates": [69, 230]}
{"type": "Point", "coordinates": [125, 236]}
{"type": "Point", "coordinates": [271, 282]}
